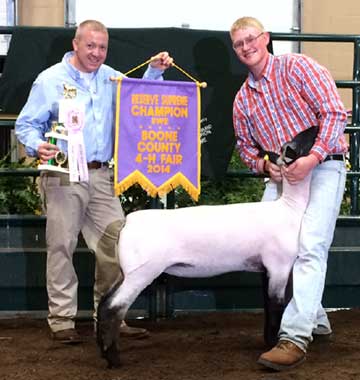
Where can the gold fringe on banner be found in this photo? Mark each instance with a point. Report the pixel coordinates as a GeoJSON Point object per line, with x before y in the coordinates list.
{"type": "Point", "coordinates": [137, 177]}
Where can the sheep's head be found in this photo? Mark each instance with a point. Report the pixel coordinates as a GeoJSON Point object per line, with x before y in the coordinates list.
{"type": "Point", "coordinates": [288, 154]}
{"type": "Point", "coordinates": [299, 146]}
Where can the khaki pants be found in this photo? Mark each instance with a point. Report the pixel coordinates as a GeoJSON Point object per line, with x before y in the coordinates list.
{"type": "Point", "coordinates": [93, 209]}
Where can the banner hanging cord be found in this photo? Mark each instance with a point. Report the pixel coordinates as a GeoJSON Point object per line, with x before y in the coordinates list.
{"type": "Point", "coordinates": [138, 67]}
{"type": "Point", "coordinates": [201, 84]}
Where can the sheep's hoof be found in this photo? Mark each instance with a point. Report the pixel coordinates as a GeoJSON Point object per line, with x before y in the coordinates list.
{"type": "Point", "coordinates": [107, 335]}
{"type": "Point", "coordinates": [112, 356]}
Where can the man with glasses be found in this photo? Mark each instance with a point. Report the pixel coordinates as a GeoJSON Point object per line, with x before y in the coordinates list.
{"type": "Point", "coordinates": [282, 96]}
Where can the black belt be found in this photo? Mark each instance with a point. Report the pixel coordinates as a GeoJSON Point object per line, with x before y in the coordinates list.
{"type": "Point", "coordinates": [334, 157]}
{"type": "Point", "coordinates": [97, 165]}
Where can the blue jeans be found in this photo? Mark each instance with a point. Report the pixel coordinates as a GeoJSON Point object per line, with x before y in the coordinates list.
{"type": "Point", "coordinates": [304, 313]}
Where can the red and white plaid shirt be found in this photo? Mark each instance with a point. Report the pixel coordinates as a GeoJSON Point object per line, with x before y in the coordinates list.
{"type": "Point", "coordinates": [294, 93]}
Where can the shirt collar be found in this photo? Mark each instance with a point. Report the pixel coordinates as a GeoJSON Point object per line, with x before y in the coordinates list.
{"type": "Point", "coordinates": [266, 75]}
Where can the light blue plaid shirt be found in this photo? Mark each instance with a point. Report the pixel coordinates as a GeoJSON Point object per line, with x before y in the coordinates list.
{"type": "Point", "coordinates": [98, 96]}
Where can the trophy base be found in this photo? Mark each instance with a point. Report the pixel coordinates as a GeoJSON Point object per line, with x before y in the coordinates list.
{"type": "Point", "coordinates": [57, 136]}
{"type": "Point", "coordinates": [53, 168]}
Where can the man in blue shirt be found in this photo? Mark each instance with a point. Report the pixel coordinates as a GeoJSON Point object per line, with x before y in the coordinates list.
{"type": "Point", "coordinates": [87, 206]}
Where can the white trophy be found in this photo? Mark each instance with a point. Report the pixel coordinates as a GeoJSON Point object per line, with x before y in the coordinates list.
{"type": "Point", "coordinates": [60, 162]}
{"type": "Point", "coordinates": [67, 134]}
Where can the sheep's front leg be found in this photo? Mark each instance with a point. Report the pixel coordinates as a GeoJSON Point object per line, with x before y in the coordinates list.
{"type": "Point", "coordinates": [273, 310]}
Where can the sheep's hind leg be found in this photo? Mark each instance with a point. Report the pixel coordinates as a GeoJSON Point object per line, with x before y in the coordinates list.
{"type": "Point", "coordinates": [112, 310]}
{"type": "Point", "coordinates": [107, 327]}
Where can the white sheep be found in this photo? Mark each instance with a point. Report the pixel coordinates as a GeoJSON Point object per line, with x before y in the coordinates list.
{"type": "Point", "coordinates": [203, 241]}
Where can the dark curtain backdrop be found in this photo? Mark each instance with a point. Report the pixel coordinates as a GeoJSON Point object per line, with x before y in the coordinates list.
{"type": "Point", "coordinates": [206, 55]}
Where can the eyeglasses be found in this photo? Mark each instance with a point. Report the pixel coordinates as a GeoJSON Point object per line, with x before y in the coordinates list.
{"type": "Point", "coordinates": [250, 41]}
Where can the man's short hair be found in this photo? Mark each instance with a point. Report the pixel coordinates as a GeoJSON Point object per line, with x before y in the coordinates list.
{"type": "Point", "coordinates": [93, 25]}
{"type": "Point", "coordinates": [246, 22]}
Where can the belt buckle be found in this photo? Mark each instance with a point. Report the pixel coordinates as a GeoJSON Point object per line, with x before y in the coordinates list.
{"type": "Point", "coordinates": [97, 165]}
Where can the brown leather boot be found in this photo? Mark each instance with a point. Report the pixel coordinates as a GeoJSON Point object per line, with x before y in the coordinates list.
{"type": "Point", "coordinates": [285, 355]}
{"type": "Point", "coordinates": [67, 336]}
{"type": "Point", "coordinates": [132, 332]}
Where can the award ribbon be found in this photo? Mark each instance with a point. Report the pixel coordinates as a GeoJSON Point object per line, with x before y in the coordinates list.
{"type": "Point", "coordinates": [72, 114]}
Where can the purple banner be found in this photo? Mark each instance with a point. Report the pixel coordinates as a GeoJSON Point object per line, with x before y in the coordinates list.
{"type": "Point", "coordinates": [157, 136]}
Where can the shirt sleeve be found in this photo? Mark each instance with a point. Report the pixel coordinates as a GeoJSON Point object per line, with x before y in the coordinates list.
{"type": "Point", "coordinates": [318, 89]}
{"type": "Point", "coordinates": [153, 73]}
{"type": "Point", "coordinates": [245, 144]}
{"type": "Point", "coordinates": [32, 122]}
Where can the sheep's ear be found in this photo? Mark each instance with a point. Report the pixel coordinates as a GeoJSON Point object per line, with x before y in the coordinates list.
{"type": "Point", "coordinates": [273, 157]}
